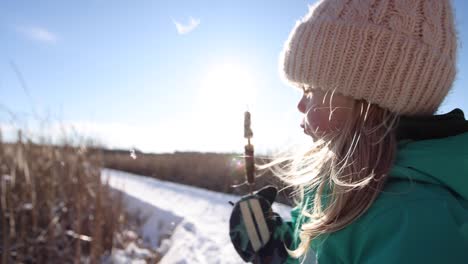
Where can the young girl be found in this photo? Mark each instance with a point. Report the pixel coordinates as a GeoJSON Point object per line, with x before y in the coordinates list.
{"type": "Point", "coordinates": [386, 180]}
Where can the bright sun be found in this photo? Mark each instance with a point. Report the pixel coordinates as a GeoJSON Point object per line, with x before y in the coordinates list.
{"type": "Point", "coordinates": [228, 87]}
{"type": "Point", "coordinates": [225, 91]}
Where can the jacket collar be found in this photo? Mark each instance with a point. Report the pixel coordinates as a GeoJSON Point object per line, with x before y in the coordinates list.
{"type": "Point", "coordinates": [432, 127]}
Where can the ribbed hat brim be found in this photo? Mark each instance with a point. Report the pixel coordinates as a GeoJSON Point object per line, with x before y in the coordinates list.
{"type": "Point", "coordinates": [369, 62]}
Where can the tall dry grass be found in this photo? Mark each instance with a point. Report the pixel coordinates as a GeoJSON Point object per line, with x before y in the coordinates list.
{"type": "Point", "coordinates": [221, 172]}
{"type": "Point", "coordinates": [53, 205]}
{"type": "Point", "coordinates": [207, 170]}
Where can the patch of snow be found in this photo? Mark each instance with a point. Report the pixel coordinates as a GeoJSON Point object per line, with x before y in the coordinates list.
{"type": "Point", "coordinates": [132, 254]}
{"type": "Point", "coordinates": [186, 224]}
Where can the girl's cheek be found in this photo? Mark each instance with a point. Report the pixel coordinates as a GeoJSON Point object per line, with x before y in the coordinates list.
{"type": "Point", "coordinates": [318, 120]}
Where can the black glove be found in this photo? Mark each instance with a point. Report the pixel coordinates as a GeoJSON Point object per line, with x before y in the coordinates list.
{"type": "Point", "coordinates": [257, 233]}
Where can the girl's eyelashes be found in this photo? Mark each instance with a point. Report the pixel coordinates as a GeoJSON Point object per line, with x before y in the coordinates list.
{"type": "Point", "coordinates": [307, 91]}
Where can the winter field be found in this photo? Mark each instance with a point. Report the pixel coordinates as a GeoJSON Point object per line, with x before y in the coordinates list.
{"type": "Point", "coordinates": [185, 224]}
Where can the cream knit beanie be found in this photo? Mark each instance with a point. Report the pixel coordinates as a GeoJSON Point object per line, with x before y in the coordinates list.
{"type": "Point", "coordinates": [398, 54]}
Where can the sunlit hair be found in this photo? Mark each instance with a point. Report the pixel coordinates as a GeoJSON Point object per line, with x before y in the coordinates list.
{"type": "Point", "coordinates": [347, 167]}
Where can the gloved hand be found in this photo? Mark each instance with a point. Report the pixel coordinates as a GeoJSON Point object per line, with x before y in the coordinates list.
{"type": "Point", "coordinates": [257, 233]}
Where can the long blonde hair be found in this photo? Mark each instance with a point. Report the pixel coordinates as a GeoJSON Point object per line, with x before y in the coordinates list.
{"type": "Point", "coordinates": [348, 168]}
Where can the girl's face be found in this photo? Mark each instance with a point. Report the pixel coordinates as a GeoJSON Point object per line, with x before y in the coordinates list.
{"type": "Point", "coordinates": [315, 105]}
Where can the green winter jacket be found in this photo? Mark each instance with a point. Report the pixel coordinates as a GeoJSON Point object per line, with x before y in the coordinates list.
{"type": "Point", "coordinates": [420, 217]}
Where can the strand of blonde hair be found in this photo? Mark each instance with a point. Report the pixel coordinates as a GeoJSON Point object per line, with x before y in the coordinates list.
{"type": "Point", "coordinates": [348, 167]}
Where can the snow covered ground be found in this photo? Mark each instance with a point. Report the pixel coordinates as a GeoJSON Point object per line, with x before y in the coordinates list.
{"type": "Point", "coordinates": [192, 223]}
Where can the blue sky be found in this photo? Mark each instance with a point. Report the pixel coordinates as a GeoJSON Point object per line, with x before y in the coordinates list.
{"type": "Point", "coordinates": [160, 75]}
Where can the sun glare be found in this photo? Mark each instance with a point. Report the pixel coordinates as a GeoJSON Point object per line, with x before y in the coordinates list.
{"type": "Point", "coordinates": [228, 87]}
{"type": "Point", "coordinates": [226, 91]}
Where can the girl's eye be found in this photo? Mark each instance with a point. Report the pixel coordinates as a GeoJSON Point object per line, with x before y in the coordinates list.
{"type": "Point", "coordinates": [306, 91]}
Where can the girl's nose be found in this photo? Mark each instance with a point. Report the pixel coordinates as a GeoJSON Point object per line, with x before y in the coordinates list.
{"type": "Point", "coordinates": [301, 106]}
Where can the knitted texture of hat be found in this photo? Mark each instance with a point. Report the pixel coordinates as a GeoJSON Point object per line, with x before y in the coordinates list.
{"type": "Point", "coordinates": [398, 54]}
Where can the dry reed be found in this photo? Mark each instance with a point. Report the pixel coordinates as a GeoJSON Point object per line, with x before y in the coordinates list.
{"type": "Point", "coordinates": [53, 206]}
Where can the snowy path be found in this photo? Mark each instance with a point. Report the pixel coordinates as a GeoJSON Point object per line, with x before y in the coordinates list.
{"type": "Point", "coordinates": [197, 218]}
